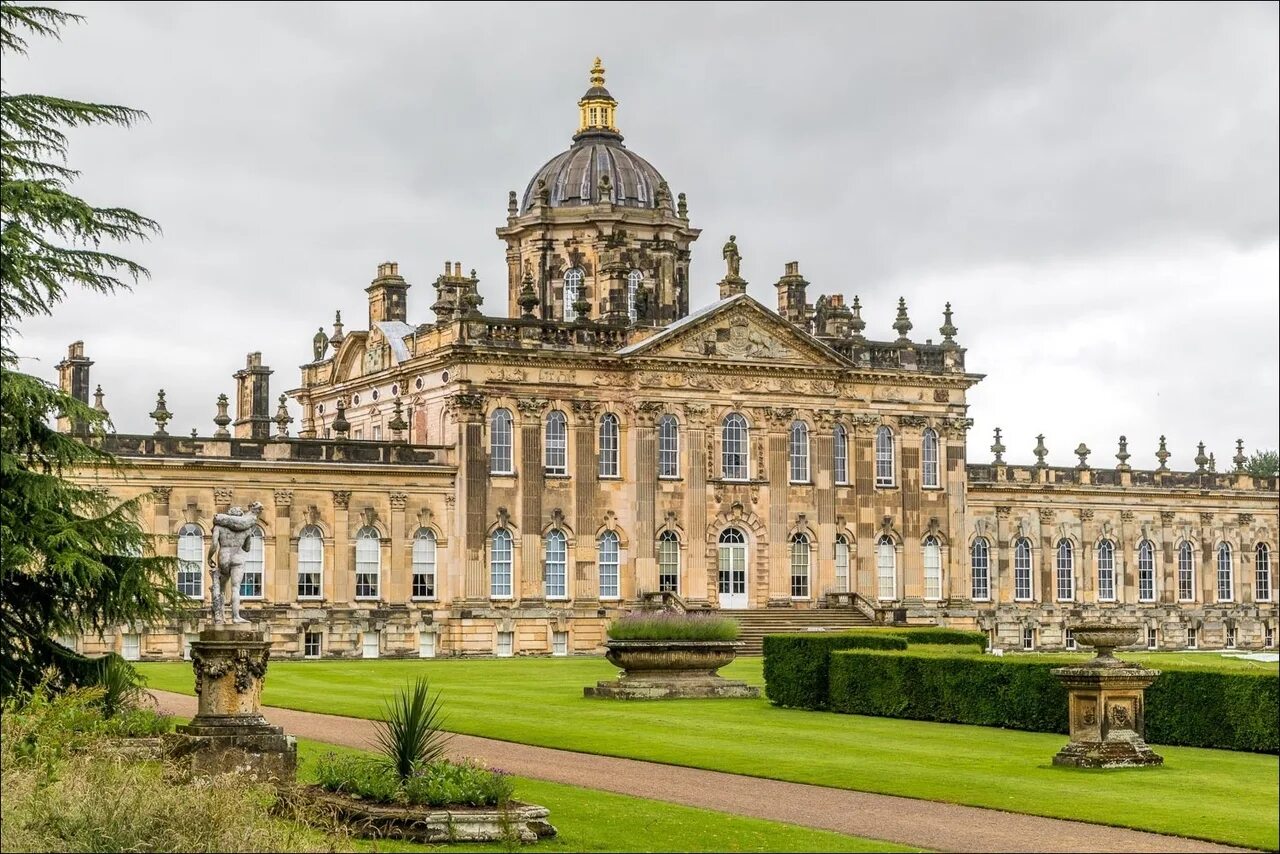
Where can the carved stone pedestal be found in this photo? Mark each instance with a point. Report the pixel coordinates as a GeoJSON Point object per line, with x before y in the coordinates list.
{"type": "Point", "coordinates": [228, 733]}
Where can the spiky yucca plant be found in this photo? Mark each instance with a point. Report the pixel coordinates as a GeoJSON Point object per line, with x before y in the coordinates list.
{"type": "Point", "coordinates": [410, 734]}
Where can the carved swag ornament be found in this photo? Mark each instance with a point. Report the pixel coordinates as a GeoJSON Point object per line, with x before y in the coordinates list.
{"type": "Point", "coordinates": [247, 665]}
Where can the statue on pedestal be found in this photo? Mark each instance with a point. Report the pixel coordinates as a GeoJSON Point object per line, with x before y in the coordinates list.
{"type": "Point", "coordinates": [232, 533]}
{"type": "Point", "coordinates": [732, 257]}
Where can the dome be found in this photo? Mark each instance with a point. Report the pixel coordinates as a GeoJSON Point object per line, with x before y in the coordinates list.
{"type": "Point", "coordinates": [573, 177]}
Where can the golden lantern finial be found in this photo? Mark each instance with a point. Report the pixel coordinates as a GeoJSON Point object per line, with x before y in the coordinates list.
{"type": "Point", "coordinates": [597, 73]}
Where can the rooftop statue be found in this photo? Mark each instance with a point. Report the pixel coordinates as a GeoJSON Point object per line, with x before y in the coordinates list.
{"type": "Point", "coordinates": [731, 256]}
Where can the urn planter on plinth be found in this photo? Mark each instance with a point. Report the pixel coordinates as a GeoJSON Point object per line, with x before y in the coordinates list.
{"type": "Point", "coordinates": [1106, 712]}
{"type": "Point", "coordinates": [228, 733]}
{"type": "Point", "coordinates": [669, 669]}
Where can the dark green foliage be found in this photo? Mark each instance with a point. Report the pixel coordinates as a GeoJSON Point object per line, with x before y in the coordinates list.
{"type": "Point", "coordinates": [795, 665]}
{"type": "Point", "coordinates": [435, 784]}
{"type": "Point", "coordinates": [1263, 464]}
{"type": "Point", "coordinates": [409, 735]}
{"type": "Point", "coordinates": [1198, 708]}
{"type": "Point", "coordinates": [665, 625]}
{"type": "Point", "coordinates": [122, 686]}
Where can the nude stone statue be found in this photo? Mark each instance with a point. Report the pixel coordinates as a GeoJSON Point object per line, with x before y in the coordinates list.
{"type": "Point", "coordinates": [232, 532]}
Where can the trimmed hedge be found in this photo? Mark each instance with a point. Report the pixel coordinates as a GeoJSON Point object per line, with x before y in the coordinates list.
{"type": "Point", "coordinates": [1197, 708]}
{"type": "Point", "coordinates": [795, 665]}
{"type": "Point", "coordinates": [949, 637]}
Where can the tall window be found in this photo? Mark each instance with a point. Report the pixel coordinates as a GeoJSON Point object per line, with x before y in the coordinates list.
{"type": "Point", "coordinates": [1225, 572]}
{"type": "Point", "coordinates": [1146, 571]}
{"type": "Point", "coordinates": [842, 564]}
{"type": "Point", "coordinates": [572, 287]}
{"type": "Point", "coordinates": [1022, 570]}
{"type": "Point", "coordinates": [553, 566]}
{"type": "Point", "coordinates": [556, 442]}
{"type": "Point", "coordinates": [500, 442]}
{"type": "Point", "coordinates": [1186, 573]}
{"type": "Point", "coordinates": [310, 562]}
{"type": "Point", "coordinates": [254, 564]}
{"type": "Point", "coordinates": [800, 567]}
{"type": "Point", "coordinates": [980, 569]}
{"type": "Point", "coordinates": [608, 445]}
{"type": "Point", "coordinates": [840, 453]}
{"type": "Point", "coordinates": [669, 562]}
{"type": "Point", "coordinates": [884, 457]}
{"type": "Point", "coordinates": [368, 562]}
{"type": "Point", "coordinates": [424, 564]}
{"type": "Point", "coordinates": [500, 564]}
{"type": "Point", "coordinates": [668, 446]}
{"type": "Point", "coordinates": [1106, 571]}
{"type": "Point", "coordinates": [634, 278]}
{"type": "Point", "coordinates": [932, 568]}
{"type": "Point", "coordinates": [886, 569]}
{"type": "Point", "coordinates": [929, 459]}
{"type": "Point", "coordinates": [1262, 566]}
{"type": "Point", "coordinates": [733, 448]}
{"type": "Point", "coordinates": [1066, 571]}
{"type": "Point", "coordinates": [799, 452]}
{"type": "Point", "coordinates": [607, 563]}
{"type": "Point", "coordinates": [190, 561]}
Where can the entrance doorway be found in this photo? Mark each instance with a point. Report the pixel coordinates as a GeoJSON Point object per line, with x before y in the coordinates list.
{"type": "Point", "coordinates": [733, 569]}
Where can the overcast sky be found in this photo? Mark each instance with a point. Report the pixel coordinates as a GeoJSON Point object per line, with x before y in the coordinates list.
{"type": "Point", "coordinates": [1094, 188]}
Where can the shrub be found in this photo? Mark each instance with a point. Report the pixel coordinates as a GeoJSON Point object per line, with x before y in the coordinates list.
{"type": "Point", "coordinates": [948, 637]}
{"type": "Point", "coordinates": [410, 734]}
{"type": "Point", "coordinates": [436, 784]}
{"type": "Point", "coordinates": [666, 625]}
{"type": "Point", "coordinates": [122, 686]}
{"type": "Point", "coordinates": [795, 665]}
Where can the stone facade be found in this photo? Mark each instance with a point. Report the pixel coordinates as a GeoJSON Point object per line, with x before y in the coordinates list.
{"type": "Point", "coordinates": [506, 485]}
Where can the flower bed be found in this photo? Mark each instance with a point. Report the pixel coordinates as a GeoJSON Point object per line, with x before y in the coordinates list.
{"type": "Point", "coordinates": [667, 625]}
{"type": "Point", "coordinates": [436, 784]}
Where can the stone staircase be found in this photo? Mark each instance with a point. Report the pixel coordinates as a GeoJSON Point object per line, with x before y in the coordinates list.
{"type": "Point", "coordinates": [771, 621]}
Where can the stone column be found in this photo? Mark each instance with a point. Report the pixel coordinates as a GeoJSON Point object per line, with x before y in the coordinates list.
{"type": "Point", "coordinates": [399, 584]}
{"type": "Point", "coordinates": [1128, 591]}
{"type": "Point", "coordinates": [280, 587]}
{"type": "Point", "coordinates": [583, 582]}
{"type": "Point", "coordinates": [822, 473]}
{"type": "Point", "coordinates": [779, 561]}
{"type": "Point", "coordinates": [862, 460]}
{"type": "Point", "coordinates": [467, 409]}
{"type": "Point", "coordinates": [527, 584]}
{"type": "Point", "coordinates": [645, 482]}
{"type": "Point", "coordinates": [1168, 560]}
{"type": "Point", "coordinates": [698, 580]}
{"type": "Point", "coordinates": [1208, 562]}
{"type": "Point", "coordinates": [1048, 581]}
{"type": "Point", "coordinates": [1001, 564]}
{"type": "Point", "coordinates": [1086, 567]}
{"type": "Point", "coordinates": [339, 585]}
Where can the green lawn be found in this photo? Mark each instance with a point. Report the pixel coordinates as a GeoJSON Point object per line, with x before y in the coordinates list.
{"type": "Point", "coordinates": [1213, 794]}
{"type": "Point", "coordinates": [587, 820]}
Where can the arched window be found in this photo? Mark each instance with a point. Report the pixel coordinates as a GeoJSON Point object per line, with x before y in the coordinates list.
{"type": "Point", "coordinates": [1226, 572]}
{"type": "Point", "coordinates": [191, 561]}
{"type": "Point", "coordinates": [607, 563]}
{"type": "Point", "coordinates": [932, 568]}
{"type": "Point", "coordinates": [1262, 568]}
{"type": "Point", "coordinates": [553, 566]}
{"type": "Point", "coordinates": [840, 453]}
{"type": "Point", "coordinates": [1146, 571]}
{"type": "Point", "coordinates": [929, 474]}
{"type": "Point", "coordinates": [733, 447]}
{"type": "Point", "coordinates": [1106, 571]}
{"type": "Point", "coordinates": [799, 452]}
{"type": "Point", "coordinates": [799, 567]}
{"type": "Point", "coordinates": [732, 569]}
{"type": "Point", "coordinates": [500, 564]}
{"type": "Point", "coordinates": [608, 445]}
{"type": "Point", "coordinates": [254, 566]}
{"type": "Point", "coordinates": [424, 564]}
{"type": "Point", "coordinates": [368, 562]}
{"type": "Point", "coordinates": [500, 442]}
{"type": "Point", "coordinates": [1022, 570]}
{"type": "Point", "coordinates": [884, 457]}
{"type": "Point", "coordinates": [1186, 572]}
{"type": "Point", "coordinates": [1066, 566]}
{"type": "Point", "coordinates": [842, 564]}
{"type": "Point", "coordinates": [980, 569]}
{"type": "Point", "coordinates": [668, 562]}
{"type": "Point", "coordinates": [668, 446]}
{"type": "Point", "coordinates": [310, 563]}
{"type": "Point", "coordinates": [557, 443]}
{"type": "Point", "coordinates": [572, 287]}
{"type": "Point", "coordinates": [634, 278]}
{"type": "Point", "coordinates": [886, 569]}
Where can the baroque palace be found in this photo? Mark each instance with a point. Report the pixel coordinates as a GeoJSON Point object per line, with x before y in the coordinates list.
{"type": "Point", "coordinates": [481, 484]}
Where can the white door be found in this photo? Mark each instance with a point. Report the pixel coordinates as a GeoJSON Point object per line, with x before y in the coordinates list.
{"type": "Point", "coordinates": [370, 645]}
{"type": "Point", "coordinates": [733, 569]}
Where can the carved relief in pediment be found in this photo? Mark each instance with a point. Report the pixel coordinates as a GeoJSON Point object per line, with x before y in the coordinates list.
{"type": "Point", "coordinates": [739, 339]}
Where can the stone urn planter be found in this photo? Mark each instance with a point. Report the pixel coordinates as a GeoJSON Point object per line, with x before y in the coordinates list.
{"type": "Point", "coordinates": [368, 820]}
{"type": "Point", "coordinates": [669, 669]}
{"type": "Point", "coordinates": [1106, 704]}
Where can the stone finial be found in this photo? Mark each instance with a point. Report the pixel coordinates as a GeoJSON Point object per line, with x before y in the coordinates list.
{"type": "Point", "coordinates": [528, 299]}
{"type": "Point", "coordinates": [283, 419]}
{"type": "Point", "coordinates": [1213, 464]}
{"type": "Point", "coordinates": [222, 419]}
{"type": "Point", "coordinates": [512, 206]}
{"type": "Point", "coordinates": [341, 426]}
{"type": "Point", "coordinates": [856, 323]}
{"type": "Point", "coordinates": [948, 328]}
{"type": "Point", "coordinates": [397, 424]}
{"type": "Point", "coordinates": [1162, 455]}
{"type": "Point", "coordinates": [998, 449]}
{"type": "Point", "coordinates": [1239, 459]}
{"type": "Point", "coordinates": [194, 434]}
{"type": "Point", "coordinates": [902, 324]}
{"type": "Point", "coordinates": [1082, 451]}
{"type": "Point", "coordinates": [582, 307]}
{"type": "Point", "coordinates": [97, 403]}
{"type": "Point", "coordinates": [1201, 460]}
{"type": "Point", "coordinates": [161, 415]}
{"type": "Point", "coordinates": [1040, 451]}
{"type": "Point", "coordinates": [336, 338]}
{"type": "Point", "coordinates": [682, 206]}
{"type": "Point", "coordinates": [1123, 455]}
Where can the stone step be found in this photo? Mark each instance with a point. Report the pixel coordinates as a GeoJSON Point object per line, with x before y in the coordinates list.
{"type": "Point", "coordinates": [758, 623]}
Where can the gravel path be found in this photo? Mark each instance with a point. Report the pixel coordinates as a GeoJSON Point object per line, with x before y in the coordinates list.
{"type": "Point", "coordinates": [926, 824]}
